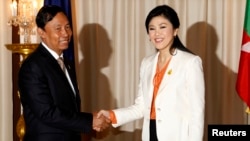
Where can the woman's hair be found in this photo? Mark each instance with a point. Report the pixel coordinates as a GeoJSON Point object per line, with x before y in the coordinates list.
{"type": "Point", "coordinates": [46, 14]}
{"type": "Point", "coordinates": [170, 14]}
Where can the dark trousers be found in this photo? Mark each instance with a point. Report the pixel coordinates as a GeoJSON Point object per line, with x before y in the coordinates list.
{"type": "Point", "coordinates": [152, 132]}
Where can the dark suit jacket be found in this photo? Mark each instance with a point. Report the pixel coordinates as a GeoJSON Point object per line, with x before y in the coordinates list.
{"type": "Point", "coordinates": [50, 107]}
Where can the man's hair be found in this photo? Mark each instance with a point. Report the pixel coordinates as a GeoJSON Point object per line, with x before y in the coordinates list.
{"type": "Point", "coordinates": [46, 14]}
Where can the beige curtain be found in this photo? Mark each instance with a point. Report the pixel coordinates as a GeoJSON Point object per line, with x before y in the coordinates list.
{"type": "Point", "coordinates": [111, 41]}
{"type": "Point", "coordinates": [5, 74]}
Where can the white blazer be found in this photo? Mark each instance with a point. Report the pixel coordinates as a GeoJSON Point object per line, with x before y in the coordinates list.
{"type": "Point", "coordinates": [180, 101]}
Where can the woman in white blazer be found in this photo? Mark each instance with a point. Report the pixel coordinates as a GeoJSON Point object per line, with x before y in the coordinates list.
{"type": "Point", "coordinates": [171, 91]}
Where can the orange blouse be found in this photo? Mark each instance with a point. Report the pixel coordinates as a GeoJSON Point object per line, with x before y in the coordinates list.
{"type": "Point", "coordinates": [157, 81]}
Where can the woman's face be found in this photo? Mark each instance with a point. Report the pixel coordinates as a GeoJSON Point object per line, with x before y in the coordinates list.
{"type": "Point", "coordinates": [161, 33]}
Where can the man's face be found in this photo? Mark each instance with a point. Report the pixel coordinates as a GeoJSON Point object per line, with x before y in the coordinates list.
{"type": "Point", "coordinates": [57, 33]}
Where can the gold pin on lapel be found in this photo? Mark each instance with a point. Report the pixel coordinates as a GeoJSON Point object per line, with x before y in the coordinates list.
{"type": "Point", "coordinates": [170, 72]}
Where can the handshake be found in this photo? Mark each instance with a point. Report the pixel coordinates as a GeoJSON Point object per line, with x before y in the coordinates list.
{"type": "Point", "coordinates": [101, 120]}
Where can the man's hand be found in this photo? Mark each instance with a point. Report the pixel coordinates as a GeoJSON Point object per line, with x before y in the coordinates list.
{"type": "Point", "coordinates": [100, 122]}
{"type": "Point", "coordinates": [103, 112]}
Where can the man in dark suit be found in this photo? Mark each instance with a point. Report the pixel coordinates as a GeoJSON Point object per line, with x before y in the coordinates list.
{"type": "Point", "coordinates": [50, 96]}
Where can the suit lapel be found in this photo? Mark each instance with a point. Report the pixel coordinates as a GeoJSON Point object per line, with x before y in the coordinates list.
{"type": "Point", "coordinates": [170, 71]}
{"type": "Point", "coordinates": [150, 70]}
{"type": "Point", "coordinates": [72, 75]}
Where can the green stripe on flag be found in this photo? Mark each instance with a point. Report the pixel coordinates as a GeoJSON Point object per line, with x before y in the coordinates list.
{"type": "Point", "coordinates": [247, 18]}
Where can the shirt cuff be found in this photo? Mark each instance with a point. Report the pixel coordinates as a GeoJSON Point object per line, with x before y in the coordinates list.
{"type": "Point", "coordinates": [112, 117]}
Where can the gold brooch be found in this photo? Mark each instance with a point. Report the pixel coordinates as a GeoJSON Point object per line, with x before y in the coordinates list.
{"type": "Point", "coordinates": [170, 72]}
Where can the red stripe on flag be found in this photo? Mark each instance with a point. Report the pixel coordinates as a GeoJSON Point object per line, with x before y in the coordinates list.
{"type": "Point", "coordinates": [243, 78]}
{"type": "Point", "coordinates": [245, 37]}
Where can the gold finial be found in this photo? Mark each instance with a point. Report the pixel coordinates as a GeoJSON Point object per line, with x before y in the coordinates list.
{"type": "Point", "coordinates": [20, 128]}
{"type": "Point", "coordinates": [248, 110]}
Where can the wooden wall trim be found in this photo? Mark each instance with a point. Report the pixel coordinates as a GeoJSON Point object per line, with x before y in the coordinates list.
{"type": "Point", "coordinates": [15, 69]}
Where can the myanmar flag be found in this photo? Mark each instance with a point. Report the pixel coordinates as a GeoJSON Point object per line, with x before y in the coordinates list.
{"type": "Point", "coordinates": [243, 78]}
